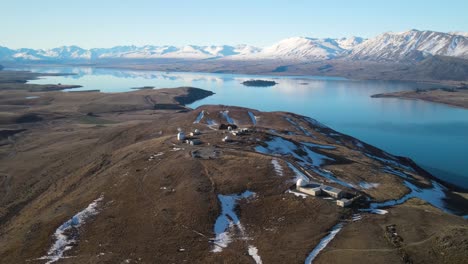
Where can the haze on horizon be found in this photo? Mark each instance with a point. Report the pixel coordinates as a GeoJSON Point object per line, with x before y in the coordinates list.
{"type": "Point", "coordinates": [90, 24]}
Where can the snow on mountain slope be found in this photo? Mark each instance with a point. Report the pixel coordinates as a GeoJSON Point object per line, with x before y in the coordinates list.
{"type": "Point", "coordinates": [399, 46]}
{"type": "Point", "coordinates": [220, 51]}
{"type": "Point", "coordinates": [460, 33]}
{"type": "Point", "coordinates": [186, 52]}
{"type": "Point", "coordinates": [26, 54]}
{"type": "Point", "coordinates": [65, 52]}
{"type": "Point", "coordinates": [349, 43]}
{"type": "Point", "coordinates": [6, 53]}
{"type": "Point", "coordinates": [115, 52]}
{"type": "Point", "coordinates": [246, 49]}
{"type": "Point", "coordinates": [225, 50]}
{"type": "Point", "coordinates": [297, 48]}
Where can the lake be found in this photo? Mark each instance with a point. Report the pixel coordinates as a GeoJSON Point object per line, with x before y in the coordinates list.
{"type": "Point", "coordinates": [434, 135]}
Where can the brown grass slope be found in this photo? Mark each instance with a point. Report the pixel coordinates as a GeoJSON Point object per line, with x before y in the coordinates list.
{"type": "Point", "coordinates": [163, 209]}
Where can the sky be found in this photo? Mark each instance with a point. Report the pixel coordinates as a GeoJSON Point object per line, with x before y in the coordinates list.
{"type": "Point", "coordinates": [104, 23]}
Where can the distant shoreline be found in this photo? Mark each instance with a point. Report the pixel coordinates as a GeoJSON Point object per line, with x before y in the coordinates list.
{"type": "Point", "coordinates": [359, 70]}
{"type": "Point", "coordinates": [455, 97]}
{"type": "Point", "coordinates": [440, 95]}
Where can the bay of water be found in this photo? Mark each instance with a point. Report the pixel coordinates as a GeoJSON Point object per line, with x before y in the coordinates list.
{"type": "Point", "coordinates": [434, 135]}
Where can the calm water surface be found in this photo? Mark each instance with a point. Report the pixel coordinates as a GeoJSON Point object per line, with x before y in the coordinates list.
{"type": "Point", "coordinates": [434, 135]}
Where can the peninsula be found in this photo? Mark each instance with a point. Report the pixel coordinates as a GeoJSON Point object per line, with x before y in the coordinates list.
{"type": "Point", "coordinates": [450, 96]}
{"type": "Point", "coordinates": [96, 177]}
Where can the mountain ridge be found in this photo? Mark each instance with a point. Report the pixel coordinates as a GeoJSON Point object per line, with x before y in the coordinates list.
{"type": "Point", "coordinates": [412, 45]}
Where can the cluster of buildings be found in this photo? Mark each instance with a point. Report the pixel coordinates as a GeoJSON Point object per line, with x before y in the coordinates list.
{"type": "Point", "coordinates": [191, 140]}
{"type": "Point", "coordinates": [317, 189]}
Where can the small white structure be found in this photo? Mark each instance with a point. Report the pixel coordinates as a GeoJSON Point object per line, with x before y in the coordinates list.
{"type": "Point", "coordinates": [226, 139]}
{"type": "Point", "coordinates": [180, 136]}
{"type": "Point", "coordinates": [229, 128]}
{"type": "Point", "coordinates": [300, 183]}
{"type": "Point", "coordinates": [196, 132]}
{"type": "Point", "coordinates": [344, 202]}
{"type": "Point", "coordinates": [310, 189]}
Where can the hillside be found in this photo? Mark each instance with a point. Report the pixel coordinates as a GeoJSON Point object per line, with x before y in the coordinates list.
{"type": "Point", "coordinates": [88, 177]}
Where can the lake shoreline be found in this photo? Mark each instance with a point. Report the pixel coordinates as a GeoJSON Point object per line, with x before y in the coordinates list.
{"type": "Point", "coordinates": [241, 71]}
{"type": "Point", "coordinates": [127, 165]}
{"type": "Point", "coordinates": [314, 89]}
{"type": "Point", "coordinates": [456, 97]}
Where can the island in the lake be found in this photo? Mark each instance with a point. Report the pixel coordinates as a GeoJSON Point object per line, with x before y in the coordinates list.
{"type": "Point", "coordinates": [456, 96]}
{"type": "Point", "coordinates": [259, 83]}
{"type": "Point", "coordinates": [138, 177]}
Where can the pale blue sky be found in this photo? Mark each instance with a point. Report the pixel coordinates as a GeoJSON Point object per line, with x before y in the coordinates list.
{"type": "Point", "coordinates": [105, 23]}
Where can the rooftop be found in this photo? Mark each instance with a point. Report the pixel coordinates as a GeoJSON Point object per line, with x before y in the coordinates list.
{"type": "Point", "coordinates": [331, 189]}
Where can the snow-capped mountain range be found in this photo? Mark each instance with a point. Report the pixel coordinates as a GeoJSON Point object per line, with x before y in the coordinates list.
{"type": "Point", "coordinates": [409, 45]}
{"type": "Point", "coordinates": [398, 46]}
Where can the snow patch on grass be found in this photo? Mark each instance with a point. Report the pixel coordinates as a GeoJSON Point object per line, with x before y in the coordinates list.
{"type": "Point", "coordinates": [199, 117]}
{"type": "Point", "coordinates": [323, 243]}
{"type": "Point", "coordinates": [330, 177]}
{"type": "Point", "coordinates": [389, 161]}
{"type": "Point", "coordinates": [375, 211]}
{"type": "Point", "coordinates": [228, 220]}
{"type": "Point", "coordinates": [226, 116]}
{"type": "Point", "coordinates": [280, 146]}
{"type": "Point", "coordinates": [306, 157]}
{"type": "Point", "coordinates": [358, 144]}
{"type": "Point", "coordinates": [299, 127]}
{"type": "Point", "coordinates": [356, 217]}
{"type": "Point", "coordinates": [211, 122]}
{"type": "Point", "coordinates": [277, 166]}
{"type": "Point", "coordinates": [314, 122]}
{"type": "Point", "coordinates": [297, 173]}
{"type": "Point", "coordinates": [313, 145]}
{"type": "Point", "coordinates": [434, 196]}
{"type": "Point", "coordinates": [401, 174]}
{"type": "Point", "coordinates": [67, 234]}
{"type": "Point", "coordinates": [253, 118]}
{"type": "Point", "coordinates": [253, 252]}
{"type": "Point", "coordinates": [368, 185]}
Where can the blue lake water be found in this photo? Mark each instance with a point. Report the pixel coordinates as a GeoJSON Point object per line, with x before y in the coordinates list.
{"type": "Point", "coordinates": [434, 135]}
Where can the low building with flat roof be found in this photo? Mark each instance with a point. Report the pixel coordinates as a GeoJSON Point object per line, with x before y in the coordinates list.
{"type": "Point", "coordinates": [344, 202]}
{"type": "Point", "coordinates": [310, 190]}
{"type": "Point", "coordinates": [333, 192]}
